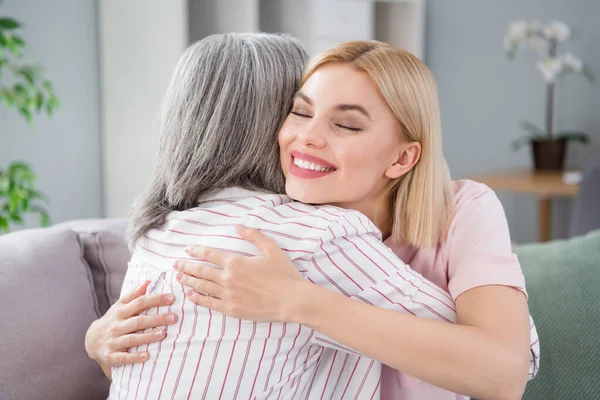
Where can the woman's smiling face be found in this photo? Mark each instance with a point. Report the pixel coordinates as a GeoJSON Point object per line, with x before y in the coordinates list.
{"type": "Point", "coordinates": [341, 143]}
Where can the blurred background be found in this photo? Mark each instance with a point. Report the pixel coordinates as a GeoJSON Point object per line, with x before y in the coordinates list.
{"type": "Point", "coordinates": [109, 63]}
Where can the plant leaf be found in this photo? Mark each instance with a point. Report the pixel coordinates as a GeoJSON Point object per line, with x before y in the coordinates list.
{"type": "Point", "coordinates": [532, 128]}
{"type": "Point", "coordinates": [36, 195]}
{"type": "Point", "coordinates": [4, 183]}
{"type": "Point", "coordinates": [4, 224]}
{"type": "Point", "coordinates": [44, 216]}
{"type": "Point", "coordinates": [39, 101]}
{"type": "Point", "coordinates": [17, 167]}
{"type": "Point", "coordinates": [589, 75]}
{"type": "Point", "coordinates": [44, 220]}
{"type": "Point", "coordinates": [14, 201]}
{"type": "Point", "coordinates": [517, 144]}
{"type": "Point", "coordinates": [7, 96]}
{"type": "Point", "coordinates": [9, 23]}
{"type": "Point", "coordinates": [574, 136]}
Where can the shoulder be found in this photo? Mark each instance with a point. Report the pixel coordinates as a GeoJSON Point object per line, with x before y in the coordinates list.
{"type": "Point", "coordinates": [332, 221]}
{"type": "Point", "coordinates": [469, 193]}
{"type": "Point", "coordinates": [475, 203]}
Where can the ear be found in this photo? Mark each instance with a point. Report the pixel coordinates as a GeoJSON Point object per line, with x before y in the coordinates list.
{"type": "Point", "coordinates": [407, 156]}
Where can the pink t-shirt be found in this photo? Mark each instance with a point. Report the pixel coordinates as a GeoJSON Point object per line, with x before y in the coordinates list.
{"type": "Point", "coordinates": [477, 252]}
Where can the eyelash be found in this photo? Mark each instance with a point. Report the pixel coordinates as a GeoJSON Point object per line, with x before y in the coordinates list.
{"type": "Point", "coordinates": [338, 125]}
{"type": "Point", "coordinates": [349, 128]}
{"type": "Point", "coordinates": [300, 115]}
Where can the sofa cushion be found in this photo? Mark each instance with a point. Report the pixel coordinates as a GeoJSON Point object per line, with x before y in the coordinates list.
{"type": "Point", "coordinates": [106, 252]}
{"type": "Point", "coordinates": [563, 282]}
{"type": "Point", "coordinates": [46, 307]}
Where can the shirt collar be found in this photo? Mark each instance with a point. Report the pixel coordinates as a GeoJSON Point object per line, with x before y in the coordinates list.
{"type": "Point", "coordinates": [232, 193]}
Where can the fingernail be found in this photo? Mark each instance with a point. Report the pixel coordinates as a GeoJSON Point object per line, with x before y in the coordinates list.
{"type": "Point", "coordinates": [176, 265]}
{"type": "Point", "coordinates": [144, 356]}
{"type": "Point", "coordinates": [188, 249]}
{"type": "Point", "coordinates": [179, 276]}
{"type": "Point", "coordinates": [158, 333]}
{"type": "Point", "coordinates": [171, 318]}
{"type": "Point", "coordinates": [168, 298]}
{"type": "Point", "coordinates": [240, 228]}
{"type": "Point", "coordinates": [190, 293]}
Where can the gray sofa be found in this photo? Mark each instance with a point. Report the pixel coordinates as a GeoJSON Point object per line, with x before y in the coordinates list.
{"type": "Point", "coordinates": [53, 283]}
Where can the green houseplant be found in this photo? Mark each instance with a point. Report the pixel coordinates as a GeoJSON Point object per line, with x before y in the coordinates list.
{"type": "Point", "coordinates": [548, 146]}
{"type": "Point", "coordinates": [23, 87]}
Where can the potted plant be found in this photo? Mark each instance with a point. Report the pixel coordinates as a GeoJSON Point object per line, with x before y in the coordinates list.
{"type": "Point", "coordinates": [548, 145]}
{"type": "Point", "coordinates": [22, 87]}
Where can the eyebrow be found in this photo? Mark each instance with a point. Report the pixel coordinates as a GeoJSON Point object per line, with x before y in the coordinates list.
{"type": "Point", "coordinates": [354, 107]}
{"type": "Point", "coordinates": [340, 107]}
{"type": "Point", "coordinates": [303, 97]}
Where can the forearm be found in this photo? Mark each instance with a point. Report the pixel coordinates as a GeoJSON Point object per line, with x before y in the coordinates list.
{"type": "Point", "coordinates": [462, 359]}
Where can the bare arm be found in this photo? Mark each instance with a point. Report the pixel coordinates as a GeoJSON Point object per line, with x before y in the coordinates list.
{"type": "Point", "coordinates": [485, 356]}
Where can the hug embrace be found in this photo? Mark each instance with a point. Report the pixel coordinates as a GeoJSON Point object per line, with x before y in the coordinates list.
{"type": "Point", "coordinates": [301, 238]}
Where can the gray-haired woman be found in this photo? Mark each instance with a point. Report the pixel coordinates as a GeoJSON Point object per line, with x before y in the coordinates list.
{"type": "Point", "coordinates": [218, 167]}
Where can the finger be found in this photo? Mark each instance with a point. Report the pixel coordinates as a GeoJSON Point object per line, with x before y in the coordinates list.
{"type": "Point", "coordinates": [209, 254]}
{"type": "Point", "coordinates": [145, 303]}
{"type": "Point", "coordinates": [140, 291]}
{"type": "Point", "coordinates": [262, 243]}
{"type": "Point", "coordinates": [200, 271]}
{"type": "Point", "coordinates": [122, 358]}
{"type": "Point", "coordinates": [201, 285]}
{"type": "Point", "coordinates": [132, 340]}
{"type": "Point", "coordinates": [143, 322]}
{"type": "Point", "coordinates": [212, 303]}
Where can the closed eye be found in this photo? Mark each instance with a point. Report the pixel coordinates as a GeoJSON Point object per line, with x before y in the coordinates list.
{"type": "Point", "coordinates": [298, 114]}
{"type": "Point", "coordinates": [349, 128]}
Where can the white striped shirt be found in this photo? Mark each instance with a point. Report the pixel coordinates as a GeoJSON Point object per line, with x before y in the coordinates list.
{"type": "Point", "coordinates": [208, 355]}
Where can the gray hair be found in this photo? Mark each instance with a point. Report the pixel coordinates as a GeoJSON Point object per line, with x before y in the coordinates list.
{"type": "Point", "coordinates": [218, 123]}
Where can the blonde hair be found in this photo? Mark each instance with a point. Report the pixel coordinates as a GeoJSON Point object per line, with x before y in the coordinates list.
{"type": "Point", "coordinates": [422, 200]}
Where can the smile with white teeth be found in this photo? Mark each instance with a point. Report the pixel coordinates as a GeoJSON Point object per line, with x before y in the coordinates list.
{"type": "Point", "coordinates": [303, 164]}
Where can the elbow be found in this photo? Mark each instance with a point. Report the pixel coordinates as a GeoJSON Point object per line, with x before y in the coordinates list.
{"type": "Point", "coordinates": [513, 378]}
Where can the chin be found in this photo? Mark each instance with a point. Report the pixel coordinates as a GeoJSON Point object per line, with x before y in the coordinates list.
{"type": "Point", "coordinates": [305, 194]}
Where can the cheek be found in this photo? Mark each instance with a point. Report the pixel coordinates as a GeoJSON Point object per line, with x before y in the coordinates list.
{"type": "Point", "coordinates": [358, 154]}
{"type": "Point", "coordinates": [285, 136]}
{"type": "Point", "coordinates": [365, 157]}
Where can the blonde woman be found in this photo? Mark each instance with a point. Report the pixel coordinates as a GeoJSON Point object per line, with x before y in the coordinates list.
{"type": "Point", "coordinates": [370, 112]}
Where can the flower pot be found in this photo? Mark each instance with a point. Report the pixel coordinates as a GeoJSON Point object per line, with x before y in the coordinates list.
{"type": "Point", "coordinates": [549, 155]}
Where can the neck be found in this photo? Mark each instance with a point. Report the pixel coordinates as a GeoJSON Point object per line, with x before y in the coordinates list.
{"type": "Point", "coordinates": [377, 210]}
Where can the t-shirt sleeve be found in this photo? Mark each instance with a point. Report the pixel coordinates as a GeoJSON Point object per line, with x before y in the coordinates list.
{"type": "Point", "coordinates": [479, 248]}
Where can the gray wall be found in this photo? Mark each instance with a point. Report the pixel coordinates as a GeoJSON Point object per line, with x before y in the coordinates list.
{"type": "Point", "coordinates": [65, 150]}
{"type": "Point", "coordinates": [483, 96]}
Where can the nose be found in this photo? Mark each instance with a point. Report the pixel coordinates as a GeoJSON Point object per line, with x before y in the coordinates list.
{"type": "Point", "coordinates": [310, 136]}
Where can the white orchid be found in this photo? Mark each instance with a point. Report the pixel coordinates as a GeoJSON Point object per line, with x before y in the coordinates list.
{"type": "Point", "coordinates": [540, 45]}
{"type": "Point", "coordinates": [517, 31]}
{"type": "Point", "coordinates": [550, 68]}
{"type": "Point", "coordinates": [558, 31]}
{"type": "Point", "coordinates": [544, 40]}
{"type": "Point", "coordinates": [534, 27]}
{"type": "Point", "coordinates": [572, 63]}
